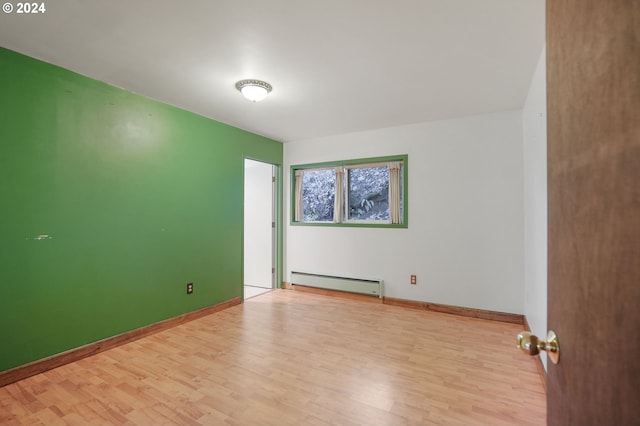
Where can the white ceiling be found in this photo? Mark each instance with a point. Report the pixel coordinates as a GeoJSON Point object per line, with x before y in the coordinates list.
{"type": "Point", "coordinates": [336, 66]}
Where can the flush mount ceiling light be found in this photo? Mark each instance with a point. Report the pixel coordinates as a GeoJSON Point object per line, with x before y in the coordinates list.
{"type": "Point", "coordinates": [254, 90]}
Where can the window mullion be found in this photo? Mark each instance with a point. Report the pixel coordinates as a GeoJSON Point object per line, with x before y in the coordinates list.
{"type": "Point", "coordinates": [345, 194]}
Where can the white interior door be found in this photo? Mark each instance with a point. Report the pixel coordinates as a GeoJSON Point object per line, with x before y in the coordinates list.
{"type": "Point", "coordinates": [258, 224]}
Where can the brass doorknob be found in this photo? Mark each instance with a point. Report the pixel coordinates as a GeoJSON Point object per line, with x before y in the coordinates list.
{"type": "Point", "coordinates": [531, 345]}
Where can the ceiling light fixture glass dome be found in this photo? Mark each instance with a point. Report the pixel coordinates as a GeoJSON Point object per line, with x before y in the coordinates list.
{"type": "Point", "coordinates": [254, 90]}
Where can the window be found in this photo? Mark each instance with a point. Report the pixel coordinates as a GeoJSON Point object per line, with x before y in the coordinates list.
{"type": "Point", "coordinates": [368, 192]}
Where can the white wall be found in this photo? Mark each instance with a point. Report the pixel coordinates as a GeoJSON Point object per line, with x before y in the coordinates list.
{"type": "Point", "coordinates": [258, 202]}
{"type": "Point", "coordinates": [535, 202]}
{"type": "Point", "coordinates": [465, 235]}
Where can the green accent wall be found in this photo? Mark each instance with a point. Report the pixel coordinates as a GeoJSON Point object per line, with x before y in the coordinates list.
{"type": "Point", "coordinates": [110, 203]}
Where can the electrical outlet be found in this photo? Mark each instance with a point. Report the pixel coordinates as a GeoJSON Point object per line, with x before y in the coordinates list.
{"type": "Point", "coordinates": [414, 280]}
{"type": "Point", "coordinates": [189, 288]}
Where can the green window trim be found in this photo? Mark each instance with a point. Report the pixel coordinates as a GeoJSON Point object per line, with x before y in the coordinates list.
{"type": "Point", "coordinates": [404, 159]}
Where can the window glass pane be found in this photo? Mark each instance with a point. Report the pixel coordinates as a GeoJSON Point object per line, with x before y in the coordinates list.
{"type": "Point", "coordinates": [318, 194]}
{"type": "Point", "coordinates": [368, 193]}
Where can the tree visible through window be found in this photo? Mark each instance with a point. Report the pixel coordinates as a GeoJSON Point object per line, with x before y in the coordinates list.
{"type": "Point", "coordinates": [353, 192]}
{"type": "Point", "coordinates": [368, 193]}
{"type": "Point", "coordinates": [318, 194]}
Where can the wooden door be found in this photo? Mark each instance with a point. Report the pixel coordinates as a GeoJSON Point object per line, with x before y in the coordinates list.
{"type": "Point", "coordinates": [593, 95]}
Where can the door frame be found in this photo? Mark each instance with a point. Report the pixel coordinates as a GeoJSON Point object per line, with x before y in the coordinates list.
{"type": "Point", "coordinates": [277, 240]}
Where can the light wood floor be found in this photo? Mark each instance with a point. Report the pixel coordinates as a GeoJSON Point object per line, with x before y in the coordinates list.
{"type": "Point", "coordinates": [253, 291]}
{"type": "Point", "coordinates": [294, 358]}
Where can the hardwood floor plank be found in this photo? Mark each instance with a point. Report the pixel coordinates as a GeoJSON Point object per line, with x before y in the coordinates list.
{"type": "Point", "coordinates": [296, 358]}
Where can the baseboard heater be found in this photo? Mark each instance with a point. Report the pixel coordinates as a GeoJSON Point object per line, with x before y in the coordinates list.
{"type": "Point", "coordinates": [371, 287]}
